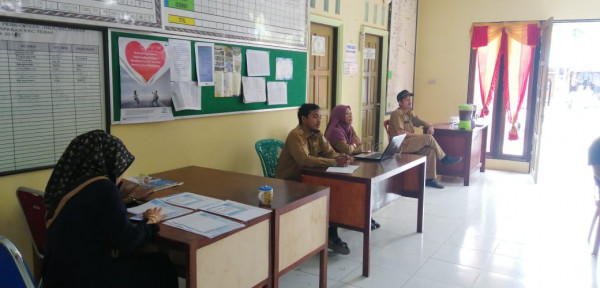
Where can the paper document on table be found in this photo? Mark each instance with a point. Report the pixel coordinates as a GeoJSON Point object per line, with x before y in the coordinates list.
{"type": "Point", "coordinates": [169, 210]}
{"type": "Point", "coordinates": [205, 224]}
{"type": "Point", "coordinates": [190, 200]}
{"type": "Point", "coordinates": [236, 210]}
{"type": "Point", "coordinates": [348, 169]}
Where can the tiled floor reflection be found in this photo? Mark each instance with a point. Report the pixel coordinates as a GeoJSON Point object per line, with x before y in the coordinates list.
{"type": "Point", "coordinates": [501, 231]}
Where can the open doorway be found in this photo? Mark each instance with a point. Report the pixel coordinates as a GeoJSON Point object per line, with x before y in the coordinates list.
{"type": "Point", "coordinates": [572, 111]}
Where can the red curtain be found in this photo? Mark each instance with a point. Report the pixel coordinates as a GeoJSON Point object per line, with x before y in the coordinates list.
{"type": "Point", "coordinates": [515, 41]}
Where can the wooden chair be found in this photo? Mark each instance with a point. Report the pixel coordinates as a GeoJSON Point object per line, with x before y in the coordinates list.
{"type": "Point", "coordinates": [32, 204]}
{"type": "Point", "coordinates": [386, 123]}
{"type": "Point", "coordinates": [595, 220]}
{"type": "Point", "coordinates": [14, 272]}
{"type": "Point", "coordinates": [268, 153]}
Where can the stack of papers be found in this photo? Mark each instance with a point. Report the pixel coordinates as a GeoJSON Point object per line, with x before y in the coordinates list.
{"type": "Point", "coordinates": [190, 200]}
{"type": "Point", "coordinates": [157, 183]}
{"type": "Point", "coordinates": [348, 169]}
{"type": "Point", "coordinates": [205, 224]}
{"type": "Point", "coordinates": [170, 210]}
{"type": "Point", "coordinates": [236, 210]}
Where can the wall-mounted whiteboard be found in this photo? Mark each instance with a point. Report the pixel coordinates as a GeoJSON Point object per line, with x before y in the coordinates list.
{"type": "Point", "coordinates": [51, 90]}
{"type": "Point", "coordinates": [273, 22]}
{"type": "Point", "coordinates": [280, 23]}
{"type": "Point", "coordinates": [140, 14]}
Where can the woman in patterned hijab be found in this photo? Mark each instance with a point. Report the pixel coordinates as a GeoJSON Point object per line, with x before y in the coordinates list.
{"type": "Point", "coordinates": [90, 241]}
{"type": "Point", "coordinates": [90, 155]}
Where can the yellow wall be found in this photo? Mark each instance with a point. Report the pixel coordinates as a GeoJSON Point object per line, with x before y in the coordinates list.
{"type": "Point", "coordinates": [443, 41]}
{"type": "Point", "coordinates": [221, 142]}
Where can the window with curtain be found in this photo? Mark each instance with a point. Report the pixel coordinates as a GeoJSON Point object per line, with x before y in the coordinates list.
{"type": "Point", "coordinates": [503, 61]}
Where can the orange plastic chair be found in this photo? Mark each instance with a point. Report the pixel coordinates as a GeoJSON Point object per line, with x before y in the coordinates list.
{"type": "Point", "coordinates": [32, 204]}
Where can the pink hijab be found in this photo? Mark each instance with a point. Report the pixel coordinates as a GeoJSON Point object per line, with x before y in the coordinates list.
{"type": "Point", "coordinates": [337, 129]}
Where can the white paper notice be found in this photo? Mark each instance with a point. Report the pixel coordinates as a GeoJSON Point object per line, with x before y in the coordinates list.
{"type": "Point", "coordinates": [186, 96]}
{"type": "Point", "coordinates": [204, 63]}
{"type": "Point", "coordinates": [350, 53]}
{"type": "Point", "coordinates": [284, 68]}
{"type": "Point", "coordinates": [258, 63]}
{"type": "Point", "coordinates": [254, 89]}
{"type": "Point", "coordinates": [181, 59]}
{"type": "Point", "coordinates": [277, 92]}
{"type": "Point", "coordinates": [348, 169]}
{"type": "Point", "coordinates": [369, 53]}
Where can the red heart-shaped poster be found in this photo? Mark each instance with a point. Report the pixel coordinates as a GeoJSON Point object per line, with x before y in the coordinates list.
{"type": "Point", "coordinates": [145, 61]}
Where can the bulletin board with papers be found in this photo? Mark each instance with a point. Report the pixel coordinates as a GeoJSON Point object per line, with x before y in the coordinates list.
{"type": "Point", "coordinates": [157, 77]}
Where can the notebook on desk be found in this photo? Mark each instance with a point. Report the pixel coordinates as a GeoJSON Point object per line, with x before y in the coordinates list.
{"type": "Point", "coordinates": [388, 153]}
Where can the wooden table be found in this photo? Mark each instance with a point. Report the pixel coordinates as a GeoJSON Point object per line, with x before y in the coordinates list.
{"type": "Point", "coordinates": [267, 247]}
{"type": "Point", "coordinates": [373, 185]}
{"type": "Point", "coordinates": [469, 144]}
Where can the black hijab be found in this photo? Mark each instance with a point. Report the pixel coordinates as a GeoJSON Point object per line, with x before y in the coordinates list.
{"type": "Point", "coordinates": [92, 154]}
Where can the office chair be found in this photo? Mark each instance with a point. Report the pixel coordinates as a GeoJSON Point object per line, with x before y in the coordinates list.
{"type": "Point", "coordinates": [386, 123]}
{"type": "Point", "coordinates": [14, 272]}
{"type": "Point", "coordinates": [268, 153]}
{"type": "Point", "coordinates": [32, 204]}
{"type": "Point", "coordinates": [595, 220]}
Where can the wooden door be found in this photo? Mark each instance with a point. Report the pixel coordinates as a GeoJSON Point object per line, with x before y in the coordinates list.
{"type": "Point", "coordinates": [321, 71]}
{"type": "Point", "coordinates": [542, 90]}
{"type": "Point", "coordinates": [370, 94]}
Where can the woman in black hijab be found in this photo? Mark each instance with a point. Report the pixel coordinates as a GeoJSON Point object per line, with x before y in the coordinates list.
{"type": "Point", "coordinates": [90, 240]}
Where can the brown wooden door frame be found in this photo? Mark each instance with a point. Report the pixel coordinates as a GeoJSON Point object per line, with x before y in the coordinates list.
{"type": "Point", "coordinates": [322, 70]}
{"type": "Point", "coordinates": [374, 66]}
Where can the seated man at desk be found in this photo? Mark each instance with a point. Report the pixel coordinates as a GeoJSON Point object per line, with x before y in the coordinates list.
{"type": "Point", "coordinates": [305, 146]}
{"type": "Point", "coordinates": [403, 121]}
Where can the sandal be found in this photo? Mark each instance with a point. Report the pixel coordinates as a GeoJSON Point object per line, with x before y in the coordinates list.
{"type": "Point", "coordinates": [339, 246]}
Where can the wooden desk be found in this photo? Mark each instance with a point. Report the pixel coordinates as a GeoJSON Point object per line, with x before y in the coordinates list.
{"type": "Point", "coordinates": [250, 257]}
{"type": "Point", "coordinates": [471, 145]}
{"type": "Point", "coordinates": [372, 186]}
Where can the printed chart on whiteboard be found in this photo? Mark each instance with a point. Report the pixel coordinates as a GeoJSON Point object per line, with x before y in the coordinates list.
{"type": "Point", "coordinates": [51, 90]}
{"type": "Point", "coordinates": [119, 13]}
{"type": "Point", "coordinates": [276, 22]}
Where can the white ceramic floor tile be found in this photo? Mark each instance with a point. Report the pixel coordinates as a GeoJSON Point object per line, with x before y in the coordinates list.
{"type": "Point", "coordinates": [420, 282]}
{"type": "Point", "coordinates": [449, 273]}
{"type": "Point", "coordinates": [379, 277]}
{"type": "Point", "coordinates": [493, 280]}
{"type": "Point", "coordinates": [501, 231]}
{"type": "Point", "coordinates": [462, 256]}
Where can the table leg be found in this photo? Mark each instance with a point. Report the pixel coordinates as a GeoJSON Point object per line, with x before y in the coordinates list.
{"type": "Point", "coordinates": [323, 269]}
{"type": "Point", "coordinates": [366, 250]}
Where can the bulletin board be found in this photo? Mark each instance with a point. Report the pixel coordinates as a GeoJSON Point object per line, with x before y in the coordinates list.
{"type": "Point", "coordinates": [403, 30]}
{"type": "Point", "coordinates": [211, 105]}
{"type": "Point", "coordinates": [51, 90]}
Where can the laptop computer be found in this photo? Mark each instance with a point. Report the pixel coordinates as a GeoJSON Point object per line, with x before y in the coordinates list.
{"type": "Point", "coordinates": [388, 153]}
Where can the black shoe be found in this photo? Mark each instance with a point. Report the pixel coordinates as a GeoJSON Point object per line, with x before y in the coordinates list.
{"type": "Point", "coordinates": [433, 183]}
{"type": "Point", "coordinates": [374, 225]}
{"type": "Point", "coordinates": [449, 160]}
{"type": "Point", "coordinates": [339, 246]}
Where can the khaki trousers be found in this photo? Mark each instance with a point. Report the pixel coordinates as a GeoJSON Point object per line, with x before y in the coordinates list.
{"type": "Point", "coordinates": [425, 145]}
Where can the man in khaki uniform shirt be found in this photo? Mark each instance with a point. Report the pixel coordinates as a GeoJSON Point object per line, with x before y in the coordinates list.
{"type": "Point", "coordinates": [305, 146]}
{"type": "Point", "coordinates": [403, 121]}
